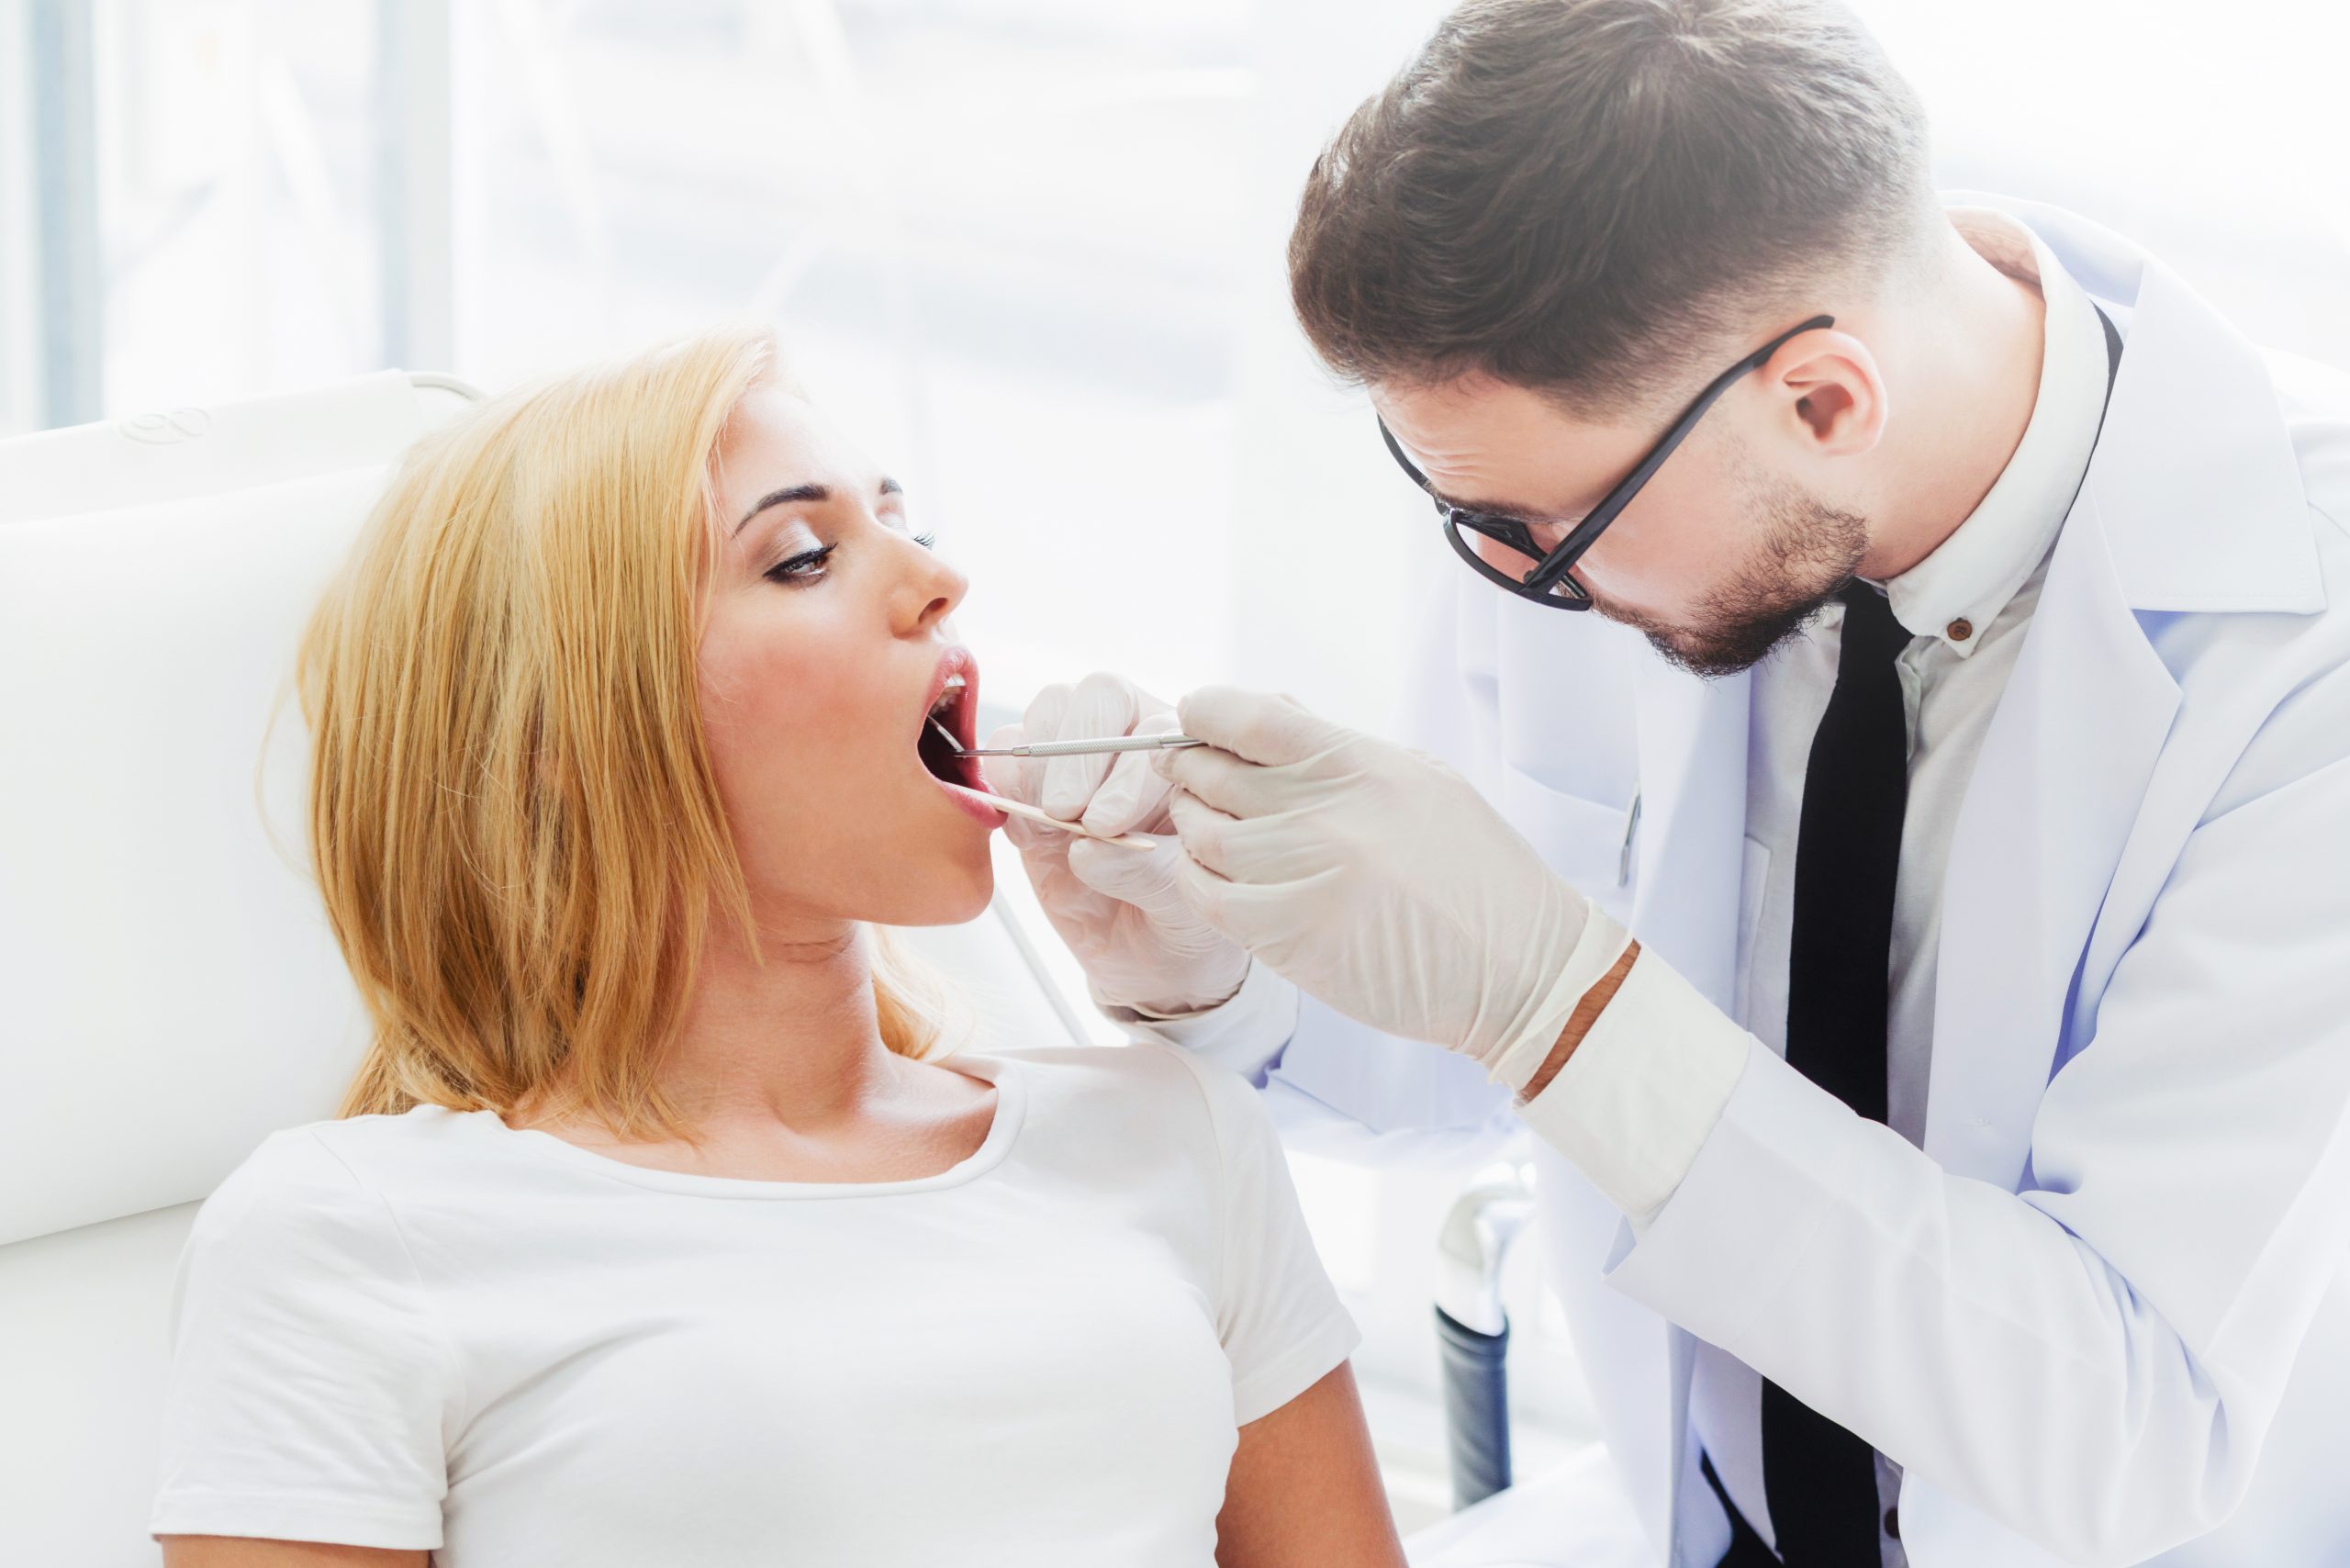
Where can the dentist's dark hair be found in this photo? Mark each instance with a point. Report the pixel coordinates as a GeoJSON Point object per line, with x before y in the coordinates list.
{"type": "Point", "coordinates": [1597, 199]}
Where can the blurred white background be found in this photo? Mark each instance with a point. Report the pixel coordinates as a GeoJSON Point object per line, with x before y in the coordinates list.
{"type": "Point", "coordinates": [1029, 253]}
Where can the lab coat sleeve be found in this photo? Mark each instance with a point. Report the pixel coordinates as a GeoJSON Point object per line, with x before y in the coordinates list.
{"type": "Point", "coordinates": [1637, 1100]}
{"type": "Point", "coordinates": [2093, 1360]}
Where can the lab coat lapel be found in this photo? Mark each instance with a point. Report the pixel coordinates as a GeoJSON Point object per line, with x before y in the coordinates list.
{"type": "Point", "coordinates": [2053, 796]}
{"type": "Point", "coordinates": [1689, 848]}
{"type": "Point", "coordinates": [2192, 503]}
{"type": "Point", "coordinates": [1689, 843]}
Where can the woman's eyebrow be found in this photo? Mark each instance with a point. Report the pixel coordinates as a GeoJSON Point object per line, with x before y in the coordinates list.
{"type": "Point", "coordinates": [792, 493]}
{"type": "Point", "coordinates": [785, 496]}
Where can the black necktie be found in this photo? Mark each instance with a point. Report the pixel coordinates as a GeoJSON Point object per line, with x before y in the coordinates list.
{"type": "Point", "coordinates": [1820, 1480]}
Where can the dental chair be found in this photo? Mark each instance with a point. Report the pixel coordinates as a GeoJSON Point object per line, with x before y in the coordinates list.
{"type": "Point", "coordinates": [170, 992]}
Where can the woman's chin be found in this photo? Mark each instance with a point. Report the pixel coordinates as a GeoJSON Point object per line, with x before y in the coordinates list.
{"type": "Point", "coordinates": [944, 886]}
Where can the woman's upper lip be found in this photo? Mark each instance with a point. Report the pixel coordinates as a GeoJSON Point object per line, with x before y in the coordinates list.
{"type": "Point", "coordinates": [953, 661]}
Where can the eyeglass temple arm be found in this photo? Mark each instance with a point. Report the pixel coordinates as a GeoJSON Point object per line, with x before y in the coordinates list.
{"type": "Point", "coordinates": [1569, 550]}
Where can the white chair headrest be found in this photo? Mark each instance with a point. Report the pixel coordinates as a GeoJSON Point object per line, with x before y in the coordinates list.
{"type": "Point", "coordinates": [172, 992]}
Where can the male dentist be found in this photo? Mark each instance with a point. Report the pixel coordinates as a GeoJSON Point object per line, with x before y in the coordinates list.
{"type": "Point", "coordinates": [1902, 656]}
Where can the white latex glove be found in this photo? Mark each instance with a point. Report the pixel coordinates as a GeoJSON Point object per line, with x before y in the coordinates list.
{"type": "Point", "coordinates": [1379, 880]}
{"type": "Point", "coordinates": [1120, 910]}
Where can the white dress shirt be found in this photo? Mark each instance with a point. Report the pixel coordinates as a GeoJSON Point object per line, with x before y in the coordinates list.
{"type": "Point", "coordinates": [1643, 1089]}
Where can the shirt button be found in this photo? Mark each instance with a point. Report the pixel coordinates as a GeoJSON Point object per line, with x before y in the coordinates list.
{"type": "Point", "coordinates": [1893, 1523]}
{"type": "Point", "coordinates": [1959, 630]}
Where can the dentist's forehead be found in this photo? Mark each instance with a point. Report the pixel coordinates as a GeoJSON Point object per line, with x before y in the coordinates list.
{"type": "Point", "coordinates": [1494, 446]}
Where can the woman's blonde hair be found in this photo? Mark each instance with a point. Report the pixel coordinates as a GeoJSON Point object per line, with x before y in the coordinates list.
{"type": "Point", "coordinates": [513, 817]}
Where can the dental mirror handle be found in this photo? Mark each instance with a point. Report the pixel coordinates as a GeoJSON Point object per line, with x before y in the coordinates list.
{"type": "Point", "coordinates": [1085, 747]}
{"type": "Point", "coordinates": [1042, 818]}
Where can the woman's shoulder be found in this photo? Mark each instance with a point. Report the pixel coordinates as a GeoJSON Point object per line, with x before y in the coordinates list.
{"type": "Point", "coordinates": [291, 1222]}
{"type": "Point", "coordinates": [1140, 1086]}
{"type": "Point", "coordinates": [325, 1186]}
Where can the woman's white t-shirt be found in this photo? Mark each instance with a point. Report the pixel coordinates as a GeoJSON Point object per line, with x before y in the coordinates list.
{"type": "Point", "coordinates": [435, 1330]}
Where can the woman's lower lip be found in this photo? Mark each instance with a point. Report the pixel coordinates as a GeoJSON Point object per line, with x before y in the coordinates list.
{"type": "Point", "coordinates": [972, 802]}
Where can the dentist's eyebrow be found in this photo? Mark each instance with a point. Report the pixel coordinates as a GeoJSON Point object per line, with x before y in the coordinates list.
{"type": "Point", "coordinates": [792, 493]}
{"type": "Point", "coordinates": [1509, 510]}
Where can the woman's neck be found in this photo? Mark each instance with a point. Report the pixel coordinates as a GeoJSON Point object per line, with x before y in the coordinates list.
{"type": "Point", "coordinates": [794, 1041]}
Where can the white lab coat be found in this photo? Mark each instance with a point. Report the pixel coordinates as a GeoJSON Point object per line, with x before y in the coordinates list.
{"type": "Point", "coordinates": [2102, 1316]}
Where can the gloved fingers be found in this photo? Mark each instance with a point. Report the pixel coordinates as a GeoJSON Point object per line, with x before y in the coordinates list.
{"type": "Point", "coordinates": [1032, 840]}
{"type": "Point", "coordinates": [1203, 891]}
{"type": "Point", "coordinates": [1134, 795]}
{"type": "Point", "coordinates": [1102, 704]}
{"type": "Point", "coordinates": [1097, 705]}
{"type": "Point", "coordinates": [1144, 878]}
{"type": "Point", "coordinates": [1268, 730]}
{"type": "Point", "coordinates": [1232, 785]}
{"type": "Point", "coordinates": [1204, 832]}
{"type": "Point", "coordinates": [1076, 910]}
{"type": "Point", "coordinates": [1019, 776]}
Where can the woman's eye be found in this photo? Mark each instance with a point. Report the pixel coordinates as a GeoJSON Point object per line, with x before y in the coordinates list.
{"type": "Point", "coordinates": [927, 541]}
{"type": "Point", "coordinates": [807, 566]}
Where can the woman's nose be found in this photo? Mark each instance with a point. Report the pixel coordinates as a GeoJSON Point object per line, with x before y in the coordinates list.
{"type": "Point", "coordinates": [931, 590]}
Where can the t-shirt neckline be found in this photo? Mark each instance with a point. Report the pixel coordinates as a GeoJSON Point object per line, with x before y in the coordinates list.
{"type": "Point", "coordinates": [1011, 1109]}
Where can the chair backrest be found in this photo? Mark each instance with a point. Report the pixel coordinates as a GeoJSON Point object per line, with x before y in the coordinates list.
{"type": "Point", "coordinates": [170, 992]}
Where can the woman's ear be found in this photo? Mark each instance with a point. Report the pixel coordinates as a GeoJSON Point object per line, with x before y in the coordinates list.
{"type": "Point", "coordinates": [1833, 390]}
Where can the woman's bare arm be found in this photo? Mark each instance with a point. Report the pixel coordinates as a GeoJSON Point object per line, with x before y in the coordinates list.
{"type": "Point", "coordinates": [241, 1552]}
{"type": "Point", "coordinates": [1305, 1491]}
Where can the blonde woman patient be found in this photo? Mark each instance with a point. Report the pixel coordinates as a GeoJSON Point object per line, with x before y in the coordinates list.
{"type": "Point", "coordinates": [659, 1227]}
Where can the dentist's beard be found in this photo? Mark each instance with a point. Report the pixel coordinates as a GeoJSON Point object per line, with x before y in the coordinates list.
{"type": "Point", "coordinates": [1807, 551]}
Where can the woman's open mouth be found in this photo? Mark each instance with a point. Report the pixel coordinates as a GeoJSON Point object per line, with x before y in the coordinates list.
{"type": "Point", "coordinates": [946, 730]}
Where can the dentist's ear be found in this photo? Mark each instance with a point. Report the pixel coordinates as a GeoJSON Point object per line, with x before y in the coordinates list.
{"type": "Point", "coordinates": [1834, 392]}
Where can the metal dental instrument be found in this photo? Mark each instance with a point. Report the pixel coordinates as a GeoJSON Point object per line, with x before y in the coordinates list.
{"type": "Point", "coordinates": [1087, 747]}
{"type": "Point", "coordinates": [1037, 814]}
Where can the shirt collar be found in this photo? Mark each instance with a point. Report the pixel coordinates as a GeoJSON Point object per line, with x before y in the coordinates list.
{"type": "Point", "coordinates": [1955, 593]}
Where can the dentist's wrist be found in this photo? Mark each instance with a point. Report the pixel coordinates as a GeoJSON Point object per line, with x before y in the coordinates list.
{"type": "Point", "coordinates": [1247, 1033]}
{"type": "Point", "coordinates": [1137, 1013]}
{"type": "Point", "coordinates": [1579, 1022]}
{"type": "Point", "coordinates": [1189, 1010]}
{"type": "Point", "coordinates": [1559, 1013]}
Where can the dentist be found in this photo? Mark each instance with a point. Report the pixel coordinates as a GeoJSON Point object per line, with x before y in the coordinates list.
{"type": "Point", "coordinates": [1895, 854]}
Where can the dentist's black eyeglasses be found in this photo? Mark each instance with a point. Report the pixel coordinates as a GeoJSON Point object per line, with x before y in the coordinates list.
{"type": "Point", "coordinates": [1546, 581]}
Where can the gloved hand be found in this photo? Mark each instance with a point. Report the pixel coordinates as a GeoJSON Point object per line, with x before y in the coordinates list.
{"type": "Point", "coordinates": [1142, 944]}
{"type": "Point", "coordinates": [1379, 880]}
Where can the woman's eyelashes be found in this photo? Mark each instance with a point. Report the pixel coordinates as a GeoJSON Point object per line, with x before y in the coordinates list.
{"type": "Point", "coordinates": [807, 566]}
